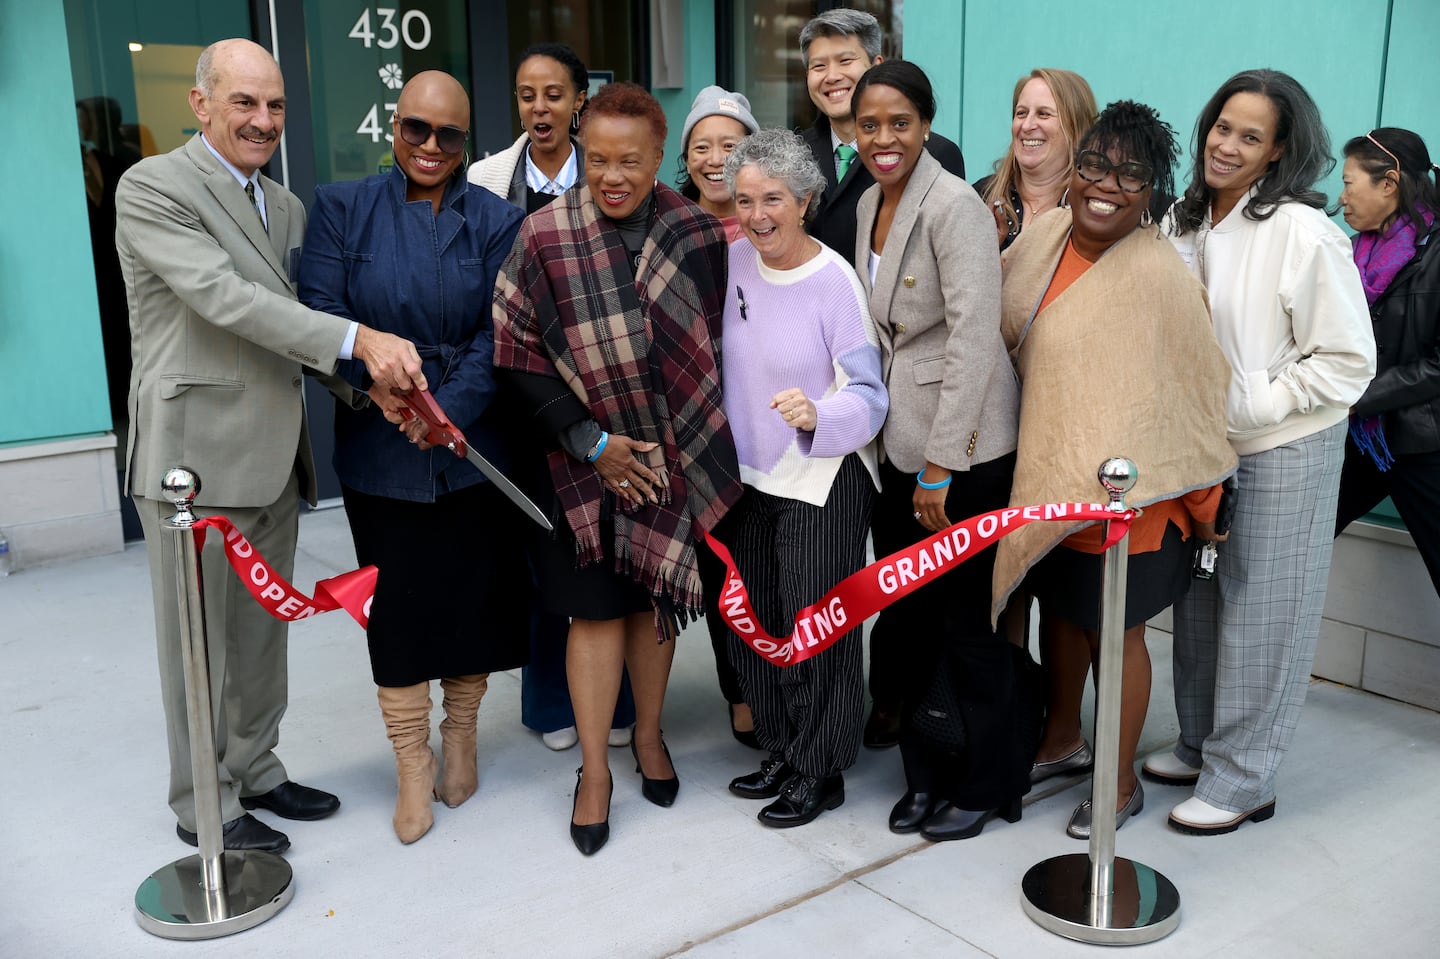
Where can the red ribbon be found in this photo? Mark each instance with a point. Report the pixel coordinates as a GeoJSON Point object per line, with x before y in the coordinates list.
{"type": "Point", "coordinates": [352, 591]}
{"type": "Point", "coordinates": [862, 594]}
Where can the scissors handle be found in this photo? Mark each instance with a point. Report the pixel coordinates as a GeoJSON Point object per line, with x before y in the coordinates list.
{"type": "Point", "coordinates": [420, 404]}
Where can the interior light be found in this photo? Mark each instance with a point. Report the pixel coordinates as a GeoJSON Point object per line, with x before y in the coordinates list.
{"type": "Point", "coordinates": [136, 47]}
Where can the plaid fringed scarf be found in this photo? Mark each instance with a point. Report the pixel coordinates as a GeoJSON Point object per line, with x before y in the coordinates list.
{"type": "Point", "coordinates": [638, 352]}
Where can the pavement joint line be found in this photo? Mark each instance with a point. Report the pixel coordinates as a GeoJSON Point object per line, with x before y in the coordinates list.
{"type": "Point", "coordinates": [791, 903]}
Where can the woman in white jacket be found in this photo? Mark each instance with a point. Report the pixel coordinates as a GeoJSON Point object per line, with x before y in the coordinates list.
{"type": "Point", "coordinates": [1291, 318]}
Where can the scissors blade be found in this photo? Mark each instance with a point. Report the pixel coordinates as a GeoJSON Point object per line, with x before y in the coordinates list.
{"type": "Point", "coordinates": [444, 433]}
{"type": "Point", "coordinates": [504, 485]}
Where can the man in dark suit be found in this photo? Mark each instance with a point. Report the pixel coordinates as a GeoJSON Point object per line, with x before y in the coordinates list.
{"type": "Point", "coordinates": [207, 246]}
{"type": "Point", "coordinates": [837, 47]}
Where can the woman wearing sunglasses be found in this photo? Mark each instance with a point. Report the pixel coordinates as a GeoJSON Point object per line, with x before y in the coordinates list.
{"type": "Point", "coordinates": [1291, 317]}
{"type": "Point", "coordinates": [1111, 337]}
{"type": "Point", "coordinates": [550, 89]}
{"type": "Point", "coordinates": [415, 252]}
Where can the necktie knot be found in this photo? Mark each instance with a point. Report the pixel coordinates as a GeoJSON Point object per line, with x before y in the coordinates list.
{"type": "Point", "coordinates": [844, 156]}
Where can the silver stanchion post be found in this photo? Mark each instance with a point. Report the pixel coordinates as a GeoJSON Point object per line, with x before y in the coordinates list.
{"type": "Point", "coordinates": [1098, 897]}
{"type": "Point", "coordinates": [214, 893]}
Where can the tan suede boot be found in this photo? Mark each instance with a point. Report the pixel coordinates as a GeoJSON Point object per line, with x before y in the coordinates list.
{"type": "Point", "coordinates": [457, 734]}
{"type": "Point", "coordinates": [407, 722]}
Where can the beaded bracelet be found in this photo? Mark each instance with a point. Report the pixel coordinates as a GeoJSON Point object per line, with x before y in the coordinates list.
{"type": "Point", "coordinates": [600, 448]}
{"type": "Point", "coordinates": [920, 478]}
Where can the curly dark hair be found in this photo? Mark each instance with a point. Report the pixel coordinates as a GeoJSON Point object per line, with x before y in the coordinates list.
{"type": "Point", "coordinates": [1416, 177]}
{"type": "Point", "coordinates": [1136, 132]}
{"type": "Point", "coordinates": [1303, 162]}
{"type": "Point", "coordinates": [625, 99]}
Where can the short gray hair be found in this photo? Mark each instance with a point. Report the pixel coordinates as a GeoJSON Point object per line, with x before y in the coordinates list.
{"type": "Point", "coordinates": [842, 23]}
{"type": "Point", "coordinates": [206, 75]}
{"type": "Point", "coordinates": [782, 155]}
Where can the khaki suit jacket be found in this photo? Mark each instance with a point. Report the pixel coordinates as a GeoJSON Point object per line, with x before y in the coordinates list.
{"type": "Point", "coordinates": [954, 398]}
{"type": "Point", "coordinates": [217, 337]}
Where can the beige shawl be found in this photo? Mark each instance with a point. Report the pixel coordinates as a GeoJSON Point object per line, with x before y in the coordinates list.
{"type": "Point", "coordinates": [1122, 363]}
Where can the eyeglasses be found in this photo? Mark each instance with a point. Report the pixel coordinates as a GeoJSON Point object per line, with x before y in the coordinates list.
{"type": "Point", "coordinates": [416, 132]}
{"type": "Point", "coordinates": [1132, 175]}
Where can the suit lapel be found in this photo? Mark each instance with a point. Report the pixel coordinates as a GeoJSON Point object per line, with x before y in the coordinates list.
{"type": "Point", "coordinates": [898, 239]}
{"type": "Point", "coordinates": [277, 209]}
{"type": "Point", "coordinates": [232, 199]}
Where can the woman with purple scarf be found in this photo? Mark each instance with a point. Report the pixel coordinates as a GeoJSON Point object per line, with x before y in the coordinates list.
{"type": "Point", "coordinates": [1391, 198]}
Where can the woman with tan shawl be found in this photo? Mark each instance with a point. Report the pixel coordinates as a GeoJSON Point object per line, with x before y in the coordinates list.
{"type": "Point", "coordinates": [1112, 339]}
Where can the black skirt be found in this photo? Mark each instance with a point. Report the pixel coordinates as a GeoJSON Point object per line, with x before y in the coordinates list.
{"type": "Point", "coordinates": [1067, 581]}
{"type": "Point", "coordinates": [595, 592]}
{"type": "Point", "coordinates": [454, 593]}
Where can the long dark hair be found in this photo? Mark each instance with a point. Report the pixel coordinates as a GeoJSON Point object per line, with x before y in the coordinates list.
{"type": "Point", "coordinates": [1303, 161]}
{"type": "Point", "coordinates": [1417, 176]}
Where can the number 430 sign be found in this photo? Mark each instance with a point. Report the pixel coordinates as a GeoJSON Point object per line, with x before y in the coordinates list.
{"type": "Point", "coordinates": [383, 32]}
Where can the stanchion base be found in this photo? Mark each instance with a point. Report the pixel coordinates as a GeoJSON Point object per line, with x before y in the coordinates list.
{"type": "Point", "coordinates": [1144, 907]}
{"type": "Point", "coordinates": [172, 903]}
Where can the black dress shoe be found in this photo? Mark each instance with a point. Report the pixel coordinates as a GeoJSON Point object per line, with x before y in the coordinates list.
{"type": "Point", "coordinates": [589, 839]}
{"type": "Point", "coordinates": [952, 822]}
{"type": "Point", "coordinates": [247, 832]}
{"type": "Point", "coordinates": [661, 792]}
{"type": "Point", "coordinates": [774, 773]}
{"type": "Point", "coordinates": [290, 800]}
{"type": "Point", "coordinates": [802, 799]}
{"type": "Point", "coordinates": [882, 729]}
{"type": "Point", "coordinates": [745, 737]}
{"type": "Point", "coordinates": [911, 812]}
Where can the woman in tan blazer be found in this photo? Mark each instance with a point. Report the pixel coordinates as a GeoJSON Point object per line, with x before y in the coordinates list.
{"type": "Point", "coordinates": [926, 248]}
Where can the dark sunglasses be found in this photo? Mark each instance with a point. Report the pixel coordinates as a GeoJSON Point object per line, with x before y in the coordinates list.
{"type": "Point", "coordinates": [1132, 175]}
{"type": "Point", "coordinates": [416, 132]}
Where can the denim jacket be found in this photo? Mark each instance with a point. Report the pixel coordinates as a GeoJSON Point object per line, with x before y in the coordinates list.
{"type": "Point", "coordinates": [397, 267]}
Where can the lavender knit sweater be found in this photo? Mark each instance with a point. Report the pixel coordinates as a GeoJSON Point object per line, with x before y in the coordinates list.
{"type": "Point", "coordinates": [809, 327]}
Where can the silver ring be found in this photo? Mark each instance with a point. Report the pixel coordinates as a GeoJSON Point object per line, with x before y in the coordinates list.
{"type": "Point", "coordinates": [623, 483]}
{"type": "Point", "coordinates": [917, 514]}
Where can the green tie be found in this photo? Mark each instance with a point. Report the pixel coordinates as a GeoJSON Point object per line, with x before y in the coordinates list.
{"type": "Point", "coordinates": [250, 193]}
{"type": "Point", "coordinates": [844, 154]}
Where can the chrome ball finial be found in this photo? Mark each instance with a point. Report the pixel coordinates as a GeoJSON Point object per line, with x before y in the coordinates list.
{"type": "Point", "coordinates": [1118, 476]}
{"type": "Point", "coordinates": [180, 485]}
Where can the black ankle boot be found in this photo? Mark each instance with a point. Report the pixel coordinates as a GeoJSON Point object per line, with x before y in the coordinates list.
{"type": "Point", "coordinates": [952, 822]}
{"type": "Point", "coordinates": [802, 799]}
{"type": "Point", "coordinates": [911, 811]}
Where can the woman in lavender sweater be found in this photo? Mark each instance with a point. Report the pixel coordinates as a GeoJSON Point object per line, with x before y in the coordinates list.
{"type": "Point", "coordinates": [805, 399]}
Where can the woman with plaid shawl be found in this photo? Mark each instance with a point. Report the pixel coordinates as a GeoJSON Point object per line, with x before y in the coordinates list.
{"type": "Point", "coordinates": [603, 319]}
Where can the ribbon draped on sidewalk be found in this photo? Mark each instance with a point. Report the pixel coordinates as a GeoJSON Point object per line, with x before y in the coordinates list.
{"type": "Point", "coordinates": [864, 593]}
{"type": "Point", "coordinates": [352, 591]}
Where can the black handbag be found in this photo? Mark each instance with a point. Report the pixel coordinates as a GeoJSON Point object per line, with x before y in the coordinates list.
{"type": "Point", "coordinates": [938, 719]}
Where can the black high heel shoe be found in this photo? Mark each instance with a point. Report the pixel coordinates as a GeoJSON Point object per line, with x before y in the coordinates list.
{"type": "Point", "coordinates": [659, 791]}
{"type": "Point", "coordinates": [952, 822]}
{"type": "Point", "coordinates": [589, 839]}
{"type": "Point", "coordinates": [745, 737]}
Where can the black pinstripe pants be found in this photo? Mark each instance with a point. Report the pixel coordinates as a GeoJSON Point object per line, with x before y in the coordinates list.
{"type": "Point", "coordinates": [789, 554]}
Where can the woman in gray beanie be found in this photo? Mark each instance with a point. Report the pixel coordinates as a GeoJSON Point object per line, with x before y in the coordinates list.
{"type": "Point", "coordinates": [718, 120]}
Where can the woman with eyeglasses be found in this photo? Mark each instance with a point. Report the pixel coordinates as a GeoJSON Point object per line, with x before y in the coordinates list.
{"type": "Point", "coordinates": [1111, 337]}
{"type": "Point", "coordinates": [415, 252]}
{"type": "Point", "coordinates": [1291, 318]}
{"type": "Point", "coordinates": [1390, 197]}
{"type": "Point", "coordinates": [551, 84]}
{"type": "Point", "coordinates": [604, 314]}
{"type": "Point", "coordinates": [932, 274]}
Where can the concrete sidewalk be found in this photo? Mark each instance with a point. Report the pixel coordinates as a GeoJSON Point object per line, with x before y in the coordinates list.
{"type": "Point", "coordinates": [83, 821]}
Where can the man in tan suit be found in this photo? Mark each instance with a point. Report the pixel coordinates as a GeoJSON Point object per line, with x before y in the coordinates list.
{"type": "Point", "coordinates": [208, 248]}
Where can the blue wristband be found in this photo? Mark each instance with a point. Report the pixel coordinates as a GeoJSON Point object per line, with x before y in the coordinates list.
{"type": "Point", "coordinates": [920, 478]}
{"type": "Point", "coordinates": [600, 448]}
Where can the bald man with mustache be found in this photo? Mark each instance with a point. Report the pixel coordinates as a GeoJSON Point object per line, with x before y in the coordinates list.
{"type": "Point", "coordinates": [208, 247]}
